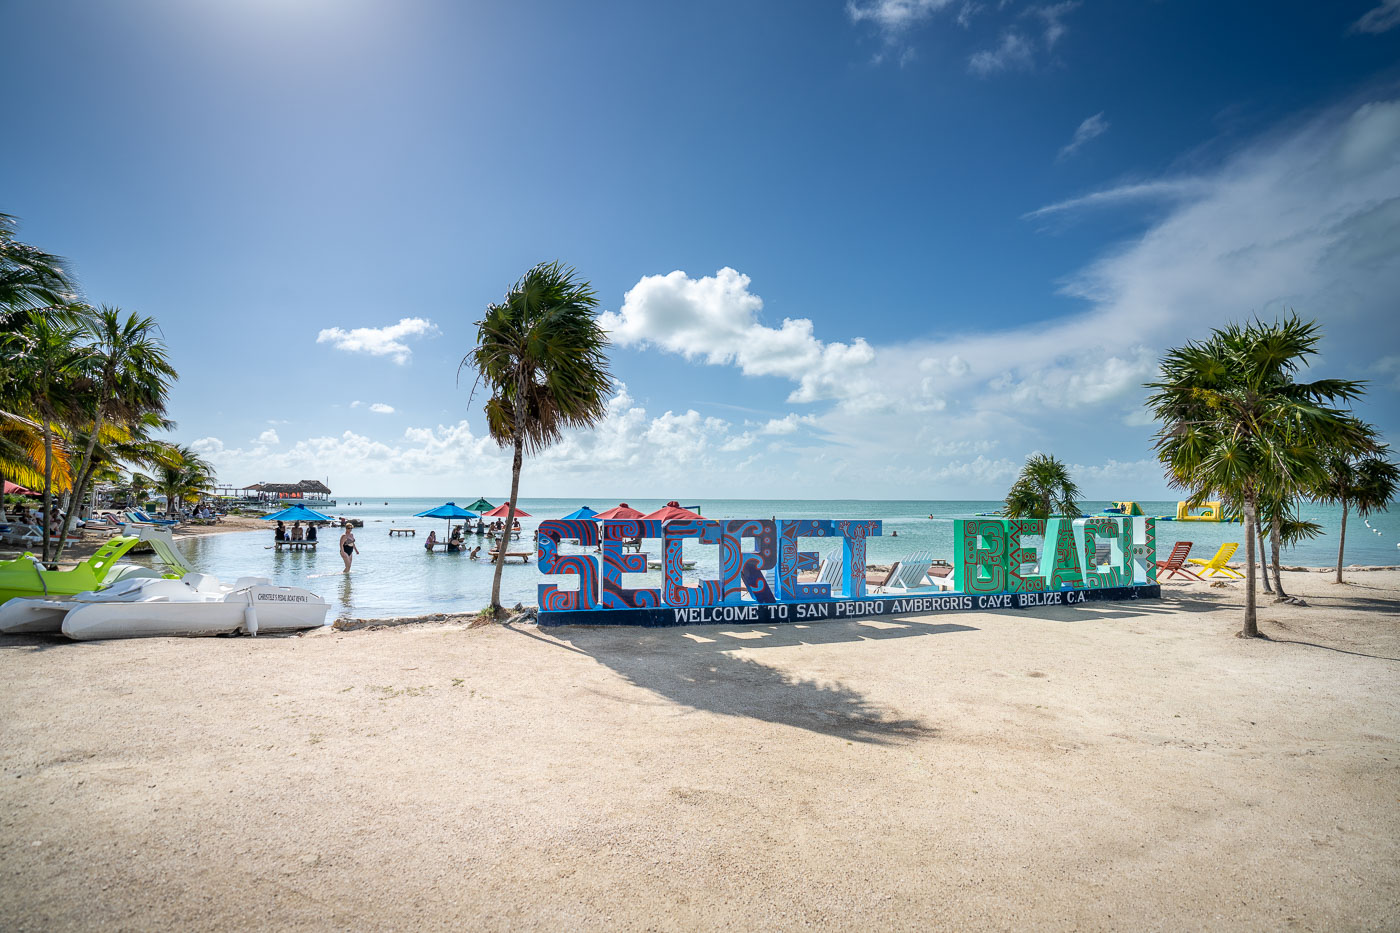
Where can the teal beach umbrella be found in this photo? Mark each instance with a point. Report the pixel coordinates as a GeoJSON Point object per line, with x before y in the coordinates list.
{"type": "Point", "coordinates": [449, 511]}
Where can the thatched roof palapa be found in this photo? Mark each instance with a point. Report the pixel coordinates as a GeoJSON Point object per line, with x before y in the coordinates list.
{"type": "Point", "coordinates": [303, 487]}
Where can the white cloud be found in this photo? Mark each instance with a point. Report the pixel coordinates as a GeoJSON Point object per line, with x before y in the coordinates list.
{"type": "Point", "coordinates": [380, 408]}
{"type": "Point", "coordinates": [1381, 18]}
{"type": "Point", "coordinates": [357, 404]}
{"type": "Point", "coordinates": [788, 424]}
{"type": "Point", "coordinates": [1162, 189]}
{"type": "Point", "coordinates": [893, 16]}
{"type": "Point", "coordinates": [1053, 17]}
{"type": "Point", "coordinates": [1014, 51]}
{"type": "Point", "coordinates": [716, 318]}
{"type": "Point", "coordinates": [1092, 128]}
{"type": "Point", "coordinates": [269, 437]}
{"type": "Point", "coordinates": [379, 341]}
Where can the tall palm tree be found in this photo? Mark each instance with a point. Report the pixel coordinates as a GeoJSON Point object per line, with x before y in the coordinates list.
{"type": "Point", "coordinates": [1232, 415]}
{"type": "Point", "coordinates": [45, 356]}
{"type": "Point", "coordinates": [131, 376]}
{"type": "Point", "coordinates": [1043, 488]}
{"type": "Point", "coordinates": [1367, 483]}
{"type": "Point", "coordinates": [542, 356]}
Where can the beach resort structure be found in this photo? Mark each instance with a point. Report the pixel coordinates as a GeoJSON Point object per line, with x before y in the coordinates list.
{"type": "Point", "coordinates": [307, 490]}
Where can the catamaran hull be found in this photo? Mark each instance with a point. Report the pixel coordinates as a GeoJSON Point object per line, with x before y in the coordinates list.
{"type": "Point", "coordinates": [33, 616]}
{"type": "Point", "coordinates": [270, 612]}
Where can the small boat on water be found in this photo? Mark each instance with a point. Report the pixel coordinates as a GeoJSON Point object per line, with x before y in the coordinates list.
{"type": "Point", "coordinates": [196, 604]}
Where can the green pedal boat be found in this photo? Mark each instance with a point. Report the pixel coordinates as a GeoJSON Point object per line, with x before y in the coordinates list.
{"type": "Point", "coordinates": [27, 577]}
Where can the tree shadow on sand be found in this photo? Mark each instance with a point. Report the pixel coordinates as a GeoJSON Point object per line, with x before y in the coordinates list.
{"type": "Point", "coordinates": [698, 667]}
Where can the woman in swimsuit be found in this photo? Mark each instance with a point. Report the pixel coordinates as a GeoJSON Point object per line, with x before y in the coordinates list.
{"type": "Point", "coordinates": [347, 546]}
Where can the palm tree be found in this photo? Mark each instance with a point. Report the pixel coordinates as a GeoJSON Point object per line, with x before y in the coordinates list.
{"type": "Point", "coordinates": [140, 487]}
{"type": "Point", "coordinates": [29, 277]}
{"type": "Point", "coordinates": [1232, 416]}
{"type": "Point", "coordinates": [44, 356]}
{"type": "Point", "coordinates": [131, 376]}
{"type": "Point", "coordinates": [181, 474]}
{"type": "Point", "coordinates": [1042, 489]}
{"type": "Point", "coordinates": [1367, 483]}
{"type": "Point", "coordinates": [22, 455]}
{"type": "Point", "coordinates": [543, 357]}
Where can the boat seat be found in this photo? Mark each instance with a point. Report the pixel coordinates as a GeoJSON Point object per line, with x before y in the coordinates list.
{"type": "Point", "coordinates": [203, 582]}
{"type": "Point", "coordinates": [244, 582]}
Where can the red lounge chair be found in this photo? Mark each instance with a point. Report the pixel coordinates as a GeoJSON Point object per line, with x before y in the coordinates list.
{"type": "Point", "coordinates": [1175, 564]}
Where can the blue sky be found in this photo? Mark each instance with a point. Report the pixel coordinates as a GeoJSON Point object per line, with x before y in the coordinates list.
{"type": "Point", "coordinates": [883, 248]}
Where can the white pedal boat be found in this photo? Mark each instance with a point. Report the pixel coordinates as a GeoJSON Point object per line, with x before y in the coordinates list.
{"type": "Point", "coordinates": [197, 604]}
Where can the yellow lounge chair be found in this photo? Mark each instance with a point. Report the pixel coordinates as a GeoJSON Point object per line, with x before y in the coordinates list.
{"type": "Point", "coordinates": [1217, 564]}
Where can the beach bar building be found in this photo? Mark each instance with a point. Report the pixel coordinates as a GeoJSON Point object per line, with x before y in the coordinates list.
{"type": "Point", "coordinates": [308, 491]}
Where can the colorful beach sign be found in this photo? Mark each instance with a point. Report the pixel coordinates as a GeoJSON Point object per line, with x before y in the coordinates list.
{"type": "Point", "coordinates": [998, 563]}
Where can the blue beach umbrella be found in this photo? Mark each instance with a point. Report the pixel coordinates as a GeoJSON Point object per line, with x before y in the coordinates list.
{"type": "Point", "coordinates": [449, 511]}
{"type": "Point", "coordinates": [582, 514]}
{"type": "Point", "coordinates": [297, 513]}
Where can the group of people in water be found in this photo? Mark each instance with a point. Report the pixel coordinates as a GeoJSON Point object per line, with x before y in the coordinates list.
{"type": "Point", "coordinates": [295, 533]}
{"type": "Point", "coordinates": [456, 544]}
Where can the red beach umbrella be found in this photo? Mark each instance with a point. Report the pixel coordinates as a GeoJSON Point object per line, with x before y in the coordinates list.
{"type": "Point", "coordinates": [669, 511]}
{"type": "Point", "coordinates": [17, 488]}
{"type": "Point", "coordinates": [501, 510]}
{"type": "Point", "coordinates": [622, 512]}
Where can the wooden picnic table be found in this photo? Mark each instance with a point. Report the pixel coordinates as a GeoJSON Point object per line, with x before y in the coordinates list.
{"type": "Point", "coordinates": [295, 545]}
{"type": "Point", "coordinates": [523, 555]}
{"type": "Point", "coordinates": [403, 531]}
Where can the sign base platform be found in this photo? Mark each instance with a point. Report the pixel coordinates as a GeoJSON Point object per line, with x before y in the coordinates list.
{"type": "Point", "coordinates": [866, 607]}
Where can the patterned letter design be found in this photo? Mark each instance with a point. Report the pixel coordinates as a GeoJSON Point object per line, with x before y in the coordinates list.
{"type": "Point", "coordinates": [616, 562]}
{"type": "Point", "coordinates": [708, 592]}
{"type": "Point", "coordinates": [1117, 531]}
{"type": "Point", "coordinates": [979, 555]}
{"type": "Point", "coordinates": [744, 570]}
{"type": "Point", "coordinates": [1017, 554]}
{"type": "Point", "coordinates": [553, 599]}
{"type": "Point", "coordinates": [790, 559]}
{"type": "Point", "coordinates": [853, 555]}
{"type": "Point", "coordinates": [1059, 533]}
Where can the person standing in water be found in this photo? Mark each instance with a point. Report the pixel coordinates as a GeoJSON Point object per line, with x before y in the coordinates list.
{"type": "Point", "coordinates": [347, 546]}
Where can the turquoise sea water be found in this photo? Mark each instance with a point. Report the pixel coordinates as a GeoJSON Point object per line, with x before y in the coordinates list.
{"type": "Point", "coordinates": [397, 577]}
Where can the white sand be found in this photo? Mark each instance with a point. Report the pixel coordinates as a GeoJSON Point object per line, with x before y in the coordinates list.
{"type": "Point", "coordinates": [1110, 766]}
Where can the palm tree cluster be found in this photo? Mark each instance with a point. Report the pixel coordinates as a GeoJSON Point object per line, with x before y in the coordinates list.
{"type": "Point", "coordinates": [542, 355]}
{"type": "Point", "coordinates": [82, 388]}
{"type": "Point", "coordinates": [1042, 490]}
{"type": "Point", "coordinates": [1238, 425]}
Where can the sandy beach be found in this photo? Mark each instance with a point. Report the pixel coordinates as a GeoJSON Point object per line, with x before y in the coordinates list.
{"type": "Point", "coordinates": [1105, 767]}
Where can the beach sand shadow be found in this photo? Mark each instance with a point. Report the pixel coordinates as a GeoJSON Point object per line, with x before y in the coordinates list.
{"type": "Point", "coordinates": [698, 667]}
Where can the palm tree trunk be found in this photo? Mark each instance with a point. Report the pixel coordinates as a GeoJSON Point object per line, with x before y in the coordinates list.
{"type": "Point", "coordinates": [1251, 619]}
{"type": "Point", "coordinates": [504, 543]}
{"type": "Point", "coordinates": [80, 487]}
{"type": "Point", "coordinates": [1263, 568]}
{"type": "Point", "coordinates": [2, 496]}
{"type": "Point", "coordinates": [1342, 540]}
{"type": "Point", "coordinates": [48, 489]}
{"type": "Point", "coordinates": [1275, 543]}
